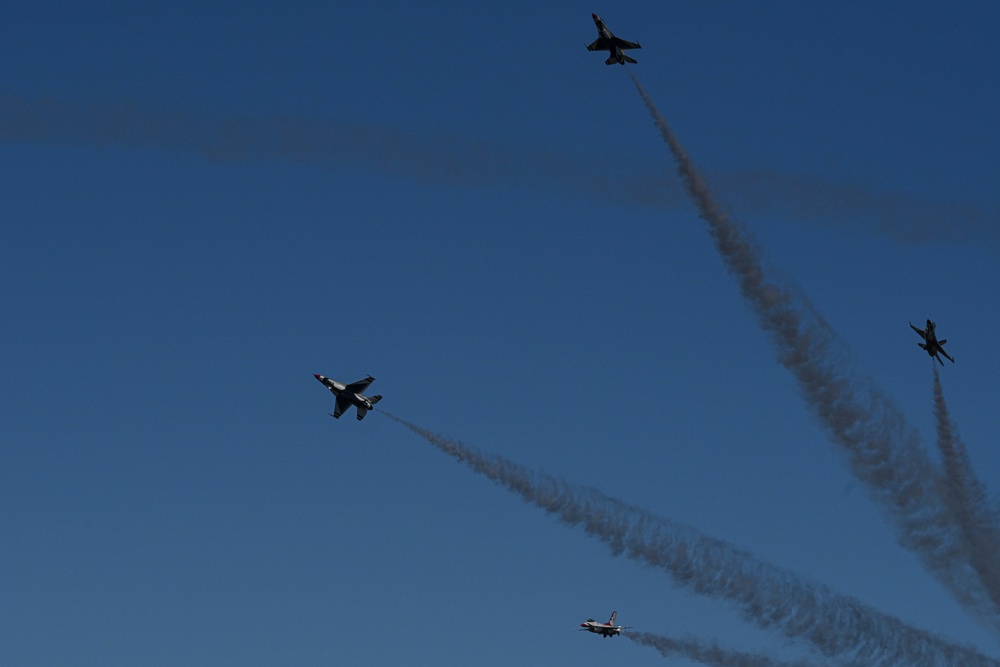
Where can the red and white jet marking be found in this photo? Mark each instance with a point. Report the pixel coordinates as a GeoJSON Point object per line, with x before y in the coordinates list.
{"type": "Point", "coordinates": [608, 629]}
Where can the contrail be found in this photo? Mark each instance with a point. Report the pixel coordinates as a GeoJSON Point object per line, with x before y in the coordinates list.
{"type": "Point", "coordinates": [708, 653]}
{"type": "Point", "coordinates": [968, 499]}
{"type": "Point", "coordinates": [426, 158]}
{"type": "Point", "coordinates": [452, 160]}
{"type": "Point", "coordinates": [883, 449]}
{"type": "Point", "coordinates": [775, 599]}
{"type": "Point", "coordinates": [856, 208]}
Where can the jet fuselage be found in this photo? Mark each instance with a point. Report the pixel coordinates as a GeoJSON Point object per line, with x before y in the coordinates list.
{"type": "Point", "coordinates": [608, 629]}
{"type": "Point", "coordinates": [340, 389]}
{"type": "Point", "coordinates": [350, 394]}
{"type": "Point", "coordinates": [931, 344]}
{"type": "Point", "coordinates": [615, 46]}
{"type": "Point", "coordinates": [602, 29]}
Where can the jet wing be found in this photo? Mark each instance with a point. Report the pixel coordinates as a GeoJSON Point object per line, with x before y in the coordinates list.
{"type": "Point", "coordinates": [343, 402]}
{"type": "Point", "coordinates": [625, 44]}
{"type": "Point", "coordinates": [599, 44]}
{"type": "Point", "coordinates": [360, 386]}
{"type": "Point", "coordinates": [919, 331]}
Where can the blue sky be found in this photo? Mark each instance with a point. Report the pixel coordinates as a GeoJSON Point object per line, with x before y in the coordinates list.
{"type": "Point", "coordinates": [476, 219]}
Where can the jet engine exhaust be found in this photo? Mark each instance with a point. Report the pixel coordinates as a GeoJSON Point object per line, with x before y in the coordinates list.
{"type": "Point", "coordinates": [882, 447]}
{"type": "Point", "coordinates": [967, 498]}
{"type": "Point", "coordinates": [708, 653]}
{"type": "Point", "coordinates": [774, 599]}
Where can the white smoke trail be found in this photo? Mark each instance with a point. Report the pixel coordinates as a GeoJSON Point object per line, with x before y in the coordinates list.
{"type": "Point", "coordinates": [775, 599]}
{"type": "Point", "coordinates": [465, 162]}
{"type": "Point", "coordinates": [968, 499]}
{"type": "Point", "coordinates": [883, 449]}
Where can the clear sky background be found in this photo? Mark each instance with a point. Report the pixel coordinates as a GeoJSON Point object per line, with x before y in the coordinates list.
{"type": "Point", "coordinates": [482, 215]}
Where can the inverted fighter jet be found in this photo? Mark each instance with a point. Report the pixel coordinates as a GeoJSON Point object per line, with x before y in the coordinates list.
{"type": "Point", "coordinates": [608, 629]}
{"type": "Point", "coordinates": [350, 394]}
{"type": "Point", "coordinates": [613, 45]}
{"type": "Point", "coordinates": [931, 343]}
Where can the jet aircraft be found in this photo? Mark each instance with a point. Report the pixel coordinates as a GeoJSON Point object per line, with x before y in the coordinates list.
{"type": "Point", "coordinates": [608, 629]}
{"type": "Point", "coordinates": [931, 343]}
{"type": "Point", "coordinates": [350, 394]}
{"type": "Point", "coordinates": [615, 46]}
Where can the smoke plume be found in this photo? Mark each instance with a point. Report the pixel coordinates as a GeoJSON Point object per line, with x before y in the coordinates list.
{"type": "Point", "coordinates": [856, 208]}
{"type": "Point", "coordinates": [708, 653]}
{"type": "Point", "coordinates": [465, 162]}
{"type": "Point", "coordinates": [775, 599]}
{"type": "Point", "coordinates": [883, 449]}
{"type": "Point", "coordinates": [967, 498]}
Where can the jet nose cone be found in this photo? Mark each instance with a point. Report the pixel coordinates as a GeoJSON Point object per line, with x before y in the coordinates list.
{"type": "Point", "coordinates": [317, 376]}
{"type": "Point", "coordinates": [595, 16]}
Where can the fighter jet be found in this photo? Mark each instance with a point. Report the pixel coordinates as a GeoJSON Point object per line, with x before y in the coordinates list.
{"type": "Point", "coordinates": [931, 343]}
{"type": "Point", "coordinates": [608, 629]}
{"type": "Point", "coordinates": [350, 394]}
{"type": "Point", "coordinates": [613, 45]}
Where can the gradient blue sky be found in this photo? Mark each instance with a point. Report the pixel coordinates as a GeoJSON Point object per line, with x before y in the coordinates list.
{"type": "Point", "coordinates": [173, 491]}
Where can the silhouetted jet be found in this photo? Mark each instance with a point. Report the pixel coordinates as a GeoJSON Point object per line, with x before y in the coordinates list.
{"type": "Point", "coordinates": [613, 45]}
{"type": "Point", "coordinates": [350, 394]}
{"type": "Point", "coordinates": [931, 343]}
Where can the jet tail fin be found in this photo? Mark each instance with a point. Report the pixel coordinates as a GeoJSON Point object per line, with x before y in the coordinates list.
{"type": "Point", "coordinates": [611, 61]}
{"type": "Point", "coordinates": [629, 60]}
{"type": "Point", "coordinates": [922, 346]}
{"type": "Point", "coordinates": [614, 615]}
{"type": "Point", "coordinates": [374, 399]}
